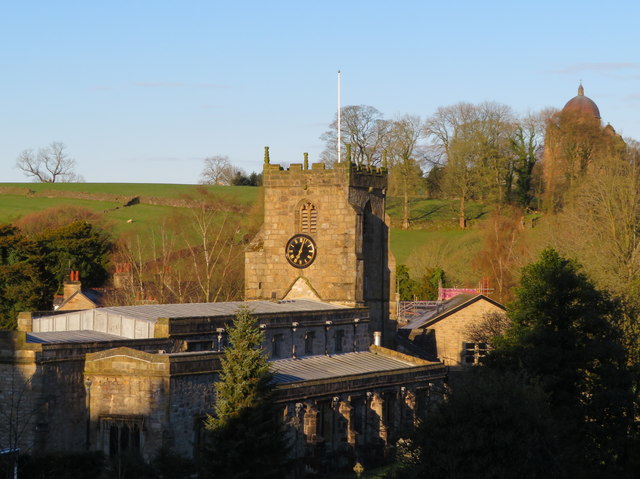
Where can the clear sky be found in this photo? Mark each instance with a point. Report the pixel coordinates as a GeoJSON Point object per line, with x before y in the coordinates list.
{"type": "Point", "coordinates": [142, 91]}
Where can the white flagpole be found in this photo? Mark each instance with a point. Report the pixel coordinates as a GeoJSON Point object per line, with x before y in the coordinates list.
{"type": "Point", "coordinates": [339, 132]}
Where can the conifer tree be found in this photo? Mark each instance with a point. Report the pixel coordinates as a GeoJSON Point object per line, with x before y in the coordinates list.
{"type": "Point", "coordinates": [565, 336]}
{"type": "Point", "coordinates": [246, 436]}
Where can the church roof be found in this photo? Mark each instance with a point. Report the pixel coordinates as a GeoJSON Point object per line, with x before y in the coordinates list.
{"type": "Point", "coordinates": [152, 312]}
{"type": "Point", "coordinates": [447, 308]}
{"type": "Point", "coordinates": [82, 336]}
{"type": "Point", "coordinates": [137, 322]}
{"type": "Point", "coordinates": [321, 367]}
{"type": "Point", "coordinates": [582, 104]}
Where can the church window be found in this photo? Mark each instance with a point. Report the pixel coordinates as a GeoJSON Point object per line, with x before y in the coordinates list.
{"type": "Point", "coordinates": [308, 342]}
{"type": "Point", "coordinates": [308, 218]}
{"type": "Point", "coordinates": [339, 340]}
{"type": "Point", "coordinates": [474, 352]}
{"type": "Point", "coordinates": [276, 345]}
{"type": "Point", "coordinates": [326, 421]}
{"type": "Point", "coordinates": [200, 345]}
{"type": "Point", "coordinates": [124, 435]}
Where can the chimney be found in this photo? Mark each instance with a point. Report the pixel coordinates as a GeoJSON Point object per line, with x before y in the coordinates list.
{"type": "Point", "coordinates": [377, 338]}
{"type": "Point", "coordinates": [72, 285]}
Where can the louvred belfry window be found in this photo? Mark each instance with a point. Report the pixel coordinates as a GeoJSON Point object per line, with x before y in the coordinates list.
{"type": "Point", "coordinates": [308, 218]}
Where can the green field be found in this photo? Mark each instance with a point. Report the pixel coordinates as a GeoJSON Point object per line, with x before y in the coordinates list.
{"type": "Point", "coordinates": [242, 194]}
{"type": "Point", "coordinates": [404, 243]}
{"type": "Point", "coordinates": [121, 219]}
{"type": "Point", "coordinates": [432, 221]}
{"type": "Point", "coordinates": [434, 214]}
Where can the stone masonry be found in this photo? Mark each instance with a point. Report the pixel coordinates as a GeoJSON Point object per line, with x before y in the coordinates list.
{"type": "Point", "coordinates": [353, 266]}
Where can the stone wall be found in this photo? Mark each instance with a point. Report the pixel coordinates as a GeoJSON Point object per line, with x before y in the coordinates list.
{"type": "Point", "coordinates": [329, 433]}
{"type": "Point", "coordinates": [352, 262]}
{"type": "Point", "coordinates": [452, 331]}
{"type": "Point", "coordinates": [20, 392]}
{"type": "Point", "coordinates": [159, 396]}
{"type": "Point", "coordinates": [79, 301]}
{"type": "Point", "coordinates": [44, 394]}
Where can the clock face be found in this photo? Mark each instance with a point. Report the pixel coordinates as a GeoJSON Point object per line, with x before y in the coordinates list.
{"type": "Point", "coordinates": [300, 251]}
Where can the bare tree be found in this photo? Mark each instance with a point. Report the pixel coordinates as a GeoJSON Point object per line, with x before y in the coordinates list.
{"type": "Point", "coordinates": [214, 250]}
{"type": "Point", "coordinates": [527, 148]}
{"type": "Point", "coordinates": [18, 413]}
{"type": "Point", "coordinates": [504, 250]}
{"type": "Point", "coordinates": [49, 165]}
{"type": "Point", "coordinates": [217, 170]}
{"type": "Point", "coordinates": [405, 173]}
{"type": "Point", "coordinates": [197, 256]}
{"type": "Point", "coordinates": [491, 325]}
{"type": "Point", "coordinates": [364, 128]}
{"type": "Point", "coordinates": [573, 144]}
{"type": "Point", "coordinates": [600, 223]}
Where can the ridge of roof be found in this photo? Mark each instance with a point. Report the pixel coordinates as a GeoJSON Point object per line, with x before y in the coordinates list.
{"type": "Point", "coordinates": [452, 306]}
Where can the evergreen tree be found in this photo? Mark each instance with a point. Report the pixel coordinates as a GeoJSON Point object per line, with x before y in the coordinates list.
{"type": "Point", "coordinates": [492, 425]}
{"type": "Point", "coordinates": [34, 267]}
{"type": "Point", "coordinates": [246, 436]}
{"type": "Point", "coordinates": [565, 336]}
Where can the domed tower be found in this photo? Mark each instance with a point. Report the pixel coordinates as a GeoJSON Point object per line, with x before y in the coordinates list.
{"type": "Point", "coordinates": [582, 105]}
{"type": "Point", "coordinates": [574, 140]}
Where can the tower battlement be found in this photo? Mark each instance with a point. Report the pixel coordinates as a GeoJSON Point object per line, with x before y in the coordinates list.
{"type": "Point", "coordinates": [325, 237]}
{"type": "Point", "coordinates": [345, 173]}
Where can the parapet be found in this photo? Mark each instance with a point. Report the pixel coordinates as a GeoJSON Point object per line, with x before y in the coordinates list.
{"type": "Point", "coordinates": [346, 173]}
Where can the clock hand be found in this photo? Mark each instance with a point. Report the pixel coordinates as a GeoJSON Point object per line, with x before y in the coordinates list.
{"type": "Point", "coordinates": [302, 243]}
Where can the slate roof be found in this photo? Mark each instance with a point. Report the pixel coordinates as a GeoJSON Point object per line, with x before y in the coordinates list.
{"type": "Point", "coordinates": [310, 368]}
{"type": "Point", "coordinates": [448, 307]}
{"type": "Point", "coordinates": [96, 296]}
{"type": "Point", "coordinates": [151, 312]}
{"type": "Point", "coordinates": [71, 337]}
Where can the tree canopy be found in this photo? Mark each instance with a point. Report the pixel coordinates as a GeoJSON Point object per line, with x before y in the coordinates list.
{"type": "Point", "coordinates": [34, 266]}
{"type": "Point", "coordinates": [565, 336]}
{"type": "Point", "coordinates": [492, 425]}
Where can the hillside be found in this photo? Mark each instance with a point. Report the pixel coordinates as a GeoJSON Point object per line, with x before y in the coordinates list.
{"type": "Point", "coordinates": [132, 207]}
{"type": "Point", "coordinates": [126, 207]}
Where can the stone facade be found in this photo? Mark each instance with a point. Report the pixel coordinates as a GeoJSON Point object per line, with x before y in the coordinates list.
{"type": "Point", "coordinates": [445, 336]}
{"type": "Point", "coordinates": [159, 398]}
{"type": "Point", "coordinates": [42, 390]}
{"type": "Point", "coordinates": [343, 210]}
{"type": "Point", "coordinates": [132, 395]}
{"type": "Point", "coordinates": [142, 377]}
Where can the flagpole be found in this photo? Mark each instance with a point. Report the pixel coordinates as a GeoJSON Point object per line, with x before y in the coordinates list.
{"type": "Point", "coordinates": [339, 125]}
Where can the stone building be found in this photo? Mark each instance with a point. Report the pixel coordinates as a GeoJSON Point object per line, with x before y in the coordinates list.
{"type": "Point", "coordinates": [444, 333]}
{"type": "Point", "coordinates": [318, 281]}
{"type": "Point", "coordinates": [340, 213]}
{"type": "Point", "coordinates": [76, 297]}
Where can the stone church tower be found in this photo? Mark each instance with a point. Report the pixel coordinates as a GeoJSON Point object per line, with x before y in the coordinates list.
{"type": "Point", "coordinates": [325, 237]}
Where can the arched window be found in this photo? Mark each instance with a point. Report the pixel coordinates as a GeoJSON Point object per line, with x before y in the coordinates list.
{"type": "Point", "coordinates": [307, 218]}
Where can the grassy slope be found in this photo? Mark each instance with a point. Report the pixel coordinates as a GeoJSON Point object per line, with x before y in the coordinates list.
{"type": "Point", "coordinates": [432, 220]}
{"type": "Point", "coordinates": [404, 243]}
{"type": "Point", "coordinates": [143, 216]}
{"type": "Point", "coordinates": [243, 194]}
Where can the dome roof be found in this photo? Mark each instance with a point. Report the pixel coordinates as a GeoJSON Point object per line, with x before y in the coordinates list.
{"type": "Point", "coordinates": [582, 104]}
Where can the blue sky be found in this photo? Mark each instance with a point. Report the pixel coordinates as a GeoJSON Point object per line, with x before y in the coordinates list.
{"type": "Point", "coordinates": [142, 91]}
